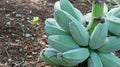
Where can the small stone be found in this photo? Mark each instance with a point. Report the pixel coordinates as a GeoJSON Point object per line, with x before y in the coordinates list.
{"type": "Point", "coordinates": [50, 4]}
{"type": "Point", "coordinates": [44, 36]}
{"type": "Point", "coordinates": [17, 40]}
{"type": "Point", "coordinates": [30, 11]}
{"type": "Point", "coordinates": [28, 35]}
{"type": "Point", "coordinates": [9, 59]}
{"type": "Point", "coordinates": [20, 49]}
{"type": "Point", "coordinates": [32, 38]}
{"type": "Point", "coordinates": [22, 19]}
{"type": "Point", "coordinates": [34, 52]}
{"type": "Point", "coordinates": [7, 15]}
{"type": "Point", "coordinates": [10, 18]}
{"type": "Point", "coordinates": [29, 56]}
{"type": "Point", "coordinates": [28, 18]}
{"type": "Point", "coordinates": [13, 34]}
{"type": "Point", "coordinates": [18, 15]}
{"type": "Point", "coordinates": [8, 23]}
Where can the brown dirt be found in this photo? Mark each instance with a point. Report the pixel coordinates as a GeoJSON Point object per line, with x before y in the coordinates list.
{"type": "Point", "coordinates": [20, 41]}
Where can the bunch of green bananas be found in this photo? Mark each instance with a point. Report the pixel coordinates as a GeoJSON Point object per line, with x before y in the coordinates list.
{"type": "Point", "coordinates": [70, 42]}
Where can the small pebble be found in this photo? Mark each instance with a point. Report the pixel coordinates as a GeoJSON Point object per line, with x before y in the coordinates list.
{"type": "Point", "coordinates": [28, 35]}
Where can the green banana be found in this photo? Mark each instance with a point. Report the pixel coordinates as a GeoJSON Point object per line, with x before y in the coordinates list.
{"type": "Point", "coordinates": [94, 60]}
{"type": "Point", "coordinates": [109, 60]}
{"type": "Point", "coordinates": [110, 13]}
{"type": "Point", "coordinates": [62, 20]}
{"type": "Point", "coordinates": [81, 17]}
{"type": "Point", "coordinates": [112, 19]}
{"type": "Point", "coordinates": [72, 11]}
{"type": "Point", "coordinates": [51, 54]}
{"type": "Point", "coordinates": [114, 12]}
{"type": "Point", "coordinates": [45, 59]}
{"type": "Point", "coordinates": [111, 44]}
{"type": "Point", "coordinates": [79, 33]}
{"type": "Point", "coordinates": [77, 55]}
{"type": "Point", "coordinates": [98, 36]}
{"type": "Point", "coordinates": [68, 63]}
{"type": "Point", "coordinates": [69, 16]}
{"type": "Point", "coordinates": [117, 12]}
{"type": "Point", "coordinates": [69, 8]}
{"type": "Point", "coordinates": [51, 21]}
{"type": "Point", "coordinates": [62, 42]}
{"type": "Point", "coordinates": [113, 25]}
{"type": "Point", "coordinates": [52, 28]}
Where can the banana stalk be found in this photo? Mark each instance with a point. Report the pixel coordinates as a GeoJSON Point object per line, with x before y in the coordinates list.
{"type": "Point", "coordinates": [97, 12]}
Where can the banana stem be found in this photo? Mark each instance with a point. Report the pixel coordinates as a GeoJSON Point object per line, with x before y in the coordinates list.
{"type": "Point", "coordinates": [97, 12]}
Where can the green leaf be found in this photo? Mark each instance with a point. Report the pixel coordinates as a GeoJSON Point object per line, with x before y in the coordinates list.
{"type": "Point", "coordinates": [35, 20]}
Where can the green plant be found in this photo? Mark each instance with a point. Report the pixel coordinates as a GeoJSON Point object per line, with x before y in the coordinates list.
{"type": "Point", "coordinates": [71, 41]}
{"type": "Point", "coordinates": [35, 20]}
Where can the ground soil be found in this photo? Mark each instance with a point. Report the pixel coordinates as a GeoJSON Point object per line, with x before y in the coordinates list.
{"type": "Point", "coordinates": [20, 41]}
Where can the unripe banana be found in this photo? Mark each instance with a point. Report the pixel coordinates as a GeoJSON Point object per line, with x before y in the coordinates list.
{"type": "Point", "coordinates": [98, 36]}
{"type": "Point", "coordinates": [114, 12]}
{"type": "Point", "coordinates": [81, 17]}
{"type": "Point", "coordinates": [46, 60]}
{"type": "Point", "coordinates": [112, 19]}
{"type": "Point", "coordinates": [109, 60]}
{"type": "Point", "coordinates": [62, 20]}
{"type": "Point", "coordinates": [117, 12]}
{"type": "Point", "coordinates": [52, 28]}
{"type": "Point", "coordinates": [111, 44]}
{"type": "Point", "coordinates": [62, 42]}
{"type": "Point", "coordinates": [52, 55]}
{"type": "Point", "coordinates": [69, 8]}
{"type": "Point", "coordinates": [68, 63]}
{"type": "Point", "coordinates": [94, 60]}
{"type": "Point", "coordinates": [79, 33]}
{"type": "Point", "coordinates": [51, 21]}
{"type": "Point", "coordinates": [113, 25]}
{"type": "Point", "coordinates": [110, 13]}
{"type": "Point", "coordinates": [76, 55]}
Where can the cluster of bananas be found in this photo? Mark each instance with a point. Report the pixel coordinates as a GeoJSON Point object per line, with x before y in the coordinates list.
{"type": "Point", "coordinates": [70, 43]}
